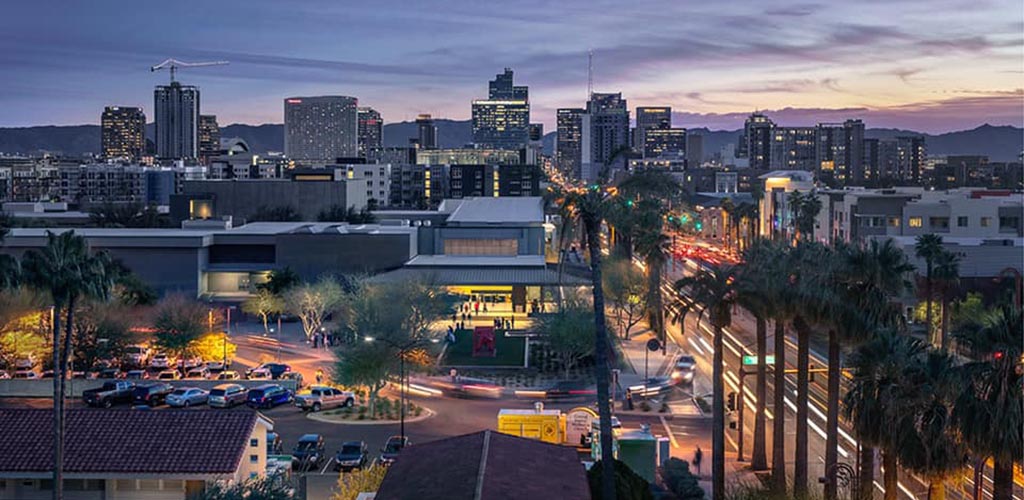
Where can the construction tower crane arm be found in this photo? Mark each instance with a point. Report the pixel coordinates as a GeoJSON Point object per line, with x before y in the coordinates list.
{"type": "Point", "coordinates": [173, 65]}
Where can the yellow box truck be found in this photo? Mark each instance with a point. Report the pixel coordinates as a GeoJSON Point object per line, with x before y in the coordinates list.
{"type": "Point", "coordinates": [538, 423]}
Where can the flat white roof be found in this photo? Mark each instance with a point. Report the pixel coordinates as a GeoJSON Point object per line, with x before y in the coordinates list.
{"type": "Point", "coordinates": [528, 209]}
{"type": "Point", "coordinates": [477, 261]}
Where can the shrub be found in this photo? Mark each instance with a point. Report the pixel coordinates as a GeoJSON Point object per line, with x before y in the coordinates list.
{"type": "Point", "coordinates": [680, 481]}
{"type": "Point", "coordinates": [628, 484]}
{"type": "Point", "coordinates": [645, 406]}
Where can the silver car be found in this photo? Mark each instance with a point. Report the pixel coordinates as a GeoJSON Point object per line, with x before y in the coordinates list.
{"type": "Point", "coordinates": [227, 395]}
{"type": "Point", "coordinates": [183, 397]}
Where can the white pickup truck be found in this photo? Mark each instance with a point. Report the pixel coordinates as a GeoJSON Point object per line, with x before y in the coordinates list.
{"type": "Point", "coordinates": [322, 396]}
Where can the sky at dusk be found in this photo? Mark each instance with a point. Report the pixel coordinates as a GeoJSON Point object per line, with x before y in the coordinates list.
{"type": "Point", "coordinates": [927, 65]}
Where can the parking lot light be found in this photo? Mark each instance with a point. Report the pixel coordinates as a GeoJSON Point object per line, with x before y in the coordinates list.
{"type": "Point", "coordinates": [368, 338]}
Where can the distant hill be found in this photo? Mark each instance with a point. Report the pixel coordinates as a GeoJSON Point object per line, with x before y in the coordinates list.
{"type": "Point", "coordinates": [1000, 143]}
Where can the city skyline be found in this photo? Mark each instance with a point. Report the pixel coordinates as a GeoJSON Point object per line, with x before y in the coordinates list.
{"type": "Point", "coordinates": [956, 66]}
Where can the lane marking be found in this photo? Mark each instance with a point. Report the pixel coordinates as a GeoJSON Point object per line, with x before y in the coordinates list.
{"type": "Point", "coordinates": [671, 437]}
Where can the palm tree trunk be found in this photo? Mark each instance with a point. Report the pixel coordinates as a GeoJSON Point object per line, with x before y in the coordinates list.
{"type": "Point", "coordinates": [657, 320]}
{"type": "Point", "coordinates": [937, 490]}
{"type": "Point", "coordinates": [601, 368]}
{"type": "Point", "coordinates": [928, 304]}
{"type": "Point", "coordinates": [866, 474]}
{"type": "Point", "coordinates": [759, 459]}
{"type": "Point", "coordinates": [832, 426]}
{"type": "Point", "coordinates": [58, 416]}
{"type": "Point", "coordinates": [944, 339]}
{"type": "Point", "coordinates": [802, 366]}
{"type": "Point", "coordinates": [718, 422]}
{"type": "Point", "coordinates": [779, 408]}
{"type": "Point", "coordinates": [1002, 480]}
{"type": "Point", "coordinates": [889, 477]}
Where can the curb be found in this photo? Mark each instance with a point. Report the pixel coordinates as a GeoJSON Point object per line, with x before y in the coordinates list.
{"type": "Point", "coordinates": [319, 417]}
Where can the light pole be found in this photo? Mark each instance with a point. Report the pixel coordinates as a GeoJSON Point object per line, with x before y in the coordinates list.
{"type": "Point", "coordinates": [402, 349]}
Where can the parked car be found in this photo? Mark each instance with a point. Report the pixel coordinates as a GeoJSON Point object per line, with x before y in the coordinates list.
{"type": "Point", "coordinates": [152, 394]}
{"type": "Point", "coordinates": [27, 375]}
{"type": "Point", "coordinates": [110, 373]}
{"type": "Point", "coordinates": [188, 363]}
{"type": "Point", "coordinates": [392, 448]}
{"type": "Point", "coordinates": [309, 452]}
{"type": "Point", "coordinates": [296, 376]}
{"type": "Point", "coordinates": [275, 369]}
{"type": "Point", "coordinates": [136, 355]}
{"type": "Point", "coordinates": [352, 455]}
{"type": "Point", "coordinates": [168, 375]}
{"type": "Point", "coordinates": [25, 363]}
{"type": "Point", "coordinates": [258, 374]}
{"type": "Point", "coordinates": [228, 375]}
{"type": "Point", "coordinates": [4, 375]}
{"type": "Point", "coordinates": [684, 369]}
{"type": "Point", "coordinates": [199, 372]}
{"type": "Point", "coordinates": [137, 375]}
{"type": "Point", "coordinates": [227, 395]}
{"type": "Point", "coordinates": [161, 361]}
{"type": "Point", "coordinates": [321, 396]}
{"type": "Point", "coordinates": [110, 394]}
{"type": "Point", "coordinates": [218, 366]}
{"type": "Point", "coordinates": [274, 446]}
{"type": "Point", "coordinates": [268, 396]}
{"type": "Point", "coordinates": [183, 397]}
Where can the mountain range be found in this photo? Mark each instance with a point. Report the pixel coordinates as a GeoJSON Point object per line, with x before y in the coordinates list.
{"type": "Point", "coordinates": [1000, 143]}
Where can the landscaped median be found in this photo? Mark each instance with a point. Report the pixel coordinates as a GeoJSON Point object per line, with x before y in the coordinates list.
{"type": "Point", "coordinates": [386, 411]}
{"type": "Point", "coordinates": [509, 352]}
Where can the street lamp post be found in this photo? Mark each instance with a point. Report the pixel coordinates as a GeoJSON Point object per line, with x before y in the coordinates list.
{"type": "Point", "coordinates": [402, 348]}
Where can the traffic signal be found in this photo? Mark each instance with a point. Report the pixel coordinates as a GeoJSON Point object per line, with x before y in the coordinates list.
{"type": "Point", "coordinates": [686, 218]}
{"type": "Point", "coordinates": [699, 226]}
{"type": "Point", "coordinates": [629, 203]}
{"type": "Point", "coordinates": [730, 401]}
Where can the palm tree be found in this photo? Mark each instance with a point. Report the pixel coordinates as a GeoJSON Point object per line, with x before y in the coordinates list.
{"type": "Point", "coordinates": [67, 271]}
{"type": "Point", "coordinates": [989, 411]}
{"type": "Point", "coordinates": [756, 294]}
{"type": "Point", "coordinates": [712, 292]}
{"type": "Point", "coordinates": [590, 206]}
{"type": "Point", "coordinates": [946, 274]}
{"type": "Point", "coordinates": [926, 439]}
{"type": "Point", "coordinates": [652, 244]}
{"type": "Point", "coordinates": [872, 399]}
{"type": "Point", "coordinates": [928, 247]}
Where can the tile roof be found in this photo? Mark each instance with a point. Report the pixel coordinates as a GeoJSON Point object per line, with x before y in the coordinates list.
{"type": "Point", "coordinates": [127, 441]}
{"type": "Point", "coordinates": [513, 468]}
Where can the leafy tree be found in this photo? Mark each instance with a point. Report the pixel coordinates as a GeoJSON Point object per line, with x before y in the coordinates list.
{"type": "Point", "coordinates": [312, 302]}
{"type": "Point", "coordinates": [359, 481]}
{"type": "Point", "coordinates": [804, 209]}
{"type": "Point", "coordinates": [23, 326]}
{"type": "Point", "coordinates": [680, 481]}
{"type": "Point", "coordinates": [569, 333]}
{"type": "Point", "coordinates": [109, 214]}
{"type": "Point", "coordinates": [339, 213]}
{"type": "Point", "coordinates": [261, 488]}
{"type": "Point", "coordinates": [67, 271]}
{"type": "Point", "coordinates": [628, 484]}
{"type": "Point", "coordinates": [213, 345]}
{"type": "Point", "coordinates": [947, 277]}
{"type": "Point", "coordinates": [281, 213]}
{"type": "Point", "coordinates": [264, 304]}
{"type": "Point", "coordinates": [179, 322]}
{"type": "Point", "coordinates": [280, 281]}
{"type": "Point", "coordinates": [366, 364]}
{"type": "Point", "coordinates": [102, 331]}
{"type": "Point", "coordinates": [928, 247]}
{"type": "Point", "coordinates": [965, 313]}
{"type": "Point", "coordinates": [626, 289]}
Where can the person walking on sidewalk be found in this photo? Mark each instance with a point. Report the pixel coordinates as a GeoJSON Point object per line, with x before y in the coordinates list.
{"type": "Point", "coordinates": [698, 456]}
{"type": "Point", "coordinates": [319, 376]}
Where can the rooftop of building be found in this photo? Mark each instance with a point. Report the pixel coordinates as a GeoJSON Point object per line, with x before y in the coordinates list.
{"type": "Point", "coordinates": [128, 442]}
{"type": "Point", "coordinates": [482, 210]}
{"type": "Point", "coordinates": [793, 175]}
{"type": "Point", "coordinates": [485, 465]}
{"type": "Point", "coordinates": [252, 228]}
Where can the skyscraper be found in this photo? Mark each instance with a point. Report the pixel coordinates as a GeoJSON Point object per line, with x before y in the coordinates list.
{"type": "Point", "coordinates": [502, 121]}
{"type": "Point", "coordinates": [659, 117]}
{"type": "Point", "coordinates": [910, 156]}
{"type": "Point", "coordinates": [605, 128]}
{"type": "Point", "coordinates": [840, 152]}
{"type": "Point", "coordinates": [756, 142]}
{"type": "Point", "coordinates": [426, 132]}
{"type": "Point", "coordinates": [123, 132]}
{"type": "Point", "coordinates": [567, 144]}
{"type": "Point", "coordinates": [371, 130]}
{"type": "Point", "coordinates": [664, 142]}
{"type": "Point", "coordinates": [209, 138]}
{"type": "Point", "coordinates": [694, 150]}
{"type": "Point", "coordinates": [176, 109]}
{"type": "Point", "coordinates": [793, 148]}
{"type": "Point", "coordinates": [321, 129]}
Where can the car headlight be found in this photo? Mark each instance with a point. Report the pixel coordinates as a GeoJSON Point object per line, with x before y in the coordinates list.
{"type": "Point", "coordinates": [677, 374]}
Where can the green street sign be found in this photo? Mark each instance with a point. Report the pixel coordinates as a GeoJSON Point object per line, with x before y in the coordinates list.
{"type": "Point", "coordinates": [752, 360]}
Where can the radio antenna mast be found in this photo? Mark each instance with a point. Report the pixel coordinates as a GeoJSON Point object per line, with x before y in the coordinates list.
{"type": "Point", "coordinates": [590, 74]}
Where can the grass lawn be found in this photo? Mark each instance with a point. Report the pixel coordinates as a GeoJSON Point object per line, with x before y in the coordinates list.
{"type": "Point", "coordinates": [511, 351]}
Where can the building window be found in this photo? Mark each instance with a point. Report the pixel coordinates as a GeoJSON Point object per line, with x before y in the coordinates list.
{"type": "Point", "coordinates": [894, 222]}
{"type": "Point", "coordinates": [938, 222]}
{"type": "Point", "coordinates": [254, 459]}
{"type": "Point", "coordinates": [1009, 223]}
{"type": "Point", "coordinates": [481, 247]}
{"type": "Point", "coordinates": [254, 442]}
{"type": "Point", "coordinates": [915, 222]}
{"type": "Point", "coordinates": [961, 221]}
{"type": "Point", "coordinates": [986, 221]}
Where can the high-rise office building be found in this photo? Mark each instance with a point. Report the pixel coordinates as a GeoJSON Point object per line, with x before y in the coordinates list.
{"type": "Point", "coordinates": [647, 117]}
{"type": "Point", "coordinates": [321, 129]}
{"type": "Point", "coordinates": [371, 130]}
{"type": "Point", "coordinates": [209, 138]}
{"type": "Point", "coordinates": [426, 132]}
{"type": "Point", "coordinates": [910, 157]}
{"type": "Point", "coordinates": [568, 141]}
{"type": "Point", "coordinates": [502, 121]}
{"type": "Point", "coordinates": [694, 150]}
{"type": "Point", "coordinates": [123, 132]}
{"type": "Point", "coordinates": [176, 110]}
{"type": "Point", "coordinates": [793, 148]}
{"type": "Point", "coordinates": [536, 132]}
{"type": "Point", "coordinates": [840, 152]}
{"type": "Point", "coordinates": [756, 142]}
{"type": "Point", "coordinates": [605, 128]}
{"type": "Point", "coordinates": [659, 142]}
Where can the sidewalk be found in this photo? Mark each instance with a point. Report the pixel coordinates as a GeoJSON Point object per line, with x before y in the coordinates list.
{"type": "Point", "coordinates": [639, 357]}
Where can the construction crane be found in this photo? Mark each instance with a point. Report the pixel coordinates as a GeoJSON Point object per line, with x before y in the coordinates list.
{"type": "Point", "coordinates": [174, 64]}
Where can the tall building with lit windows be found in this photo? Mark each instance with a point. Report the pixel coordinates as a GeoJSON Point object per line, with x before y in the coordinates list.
{"type": "Point", "coordinates": [567, 143]}
{"type": "Point", "coordinates": [793, 148]}
{"type": "Point", "coordinates": [321, 129]}
{"type": "Point", "coordinates": [605, 128]}
{"type": "Point", "coordinates": [209, 138]}
{"type": "Point", "coordinates": [840, 152]}
{"type": "Point", "coordinates": [123, 133]}
{"type": "Point", "coordinates": [756, 142]}
{"type": "Point", "coordinates": [648, 117]}
{"type": "Point", "coordinates": [502, 121]}
{"type": "Point", "coordinates": [371, 130]}
{"type": "Point", "coordinates": [659, 142]}
{"type": "Point", "coordinates": [176, 109]}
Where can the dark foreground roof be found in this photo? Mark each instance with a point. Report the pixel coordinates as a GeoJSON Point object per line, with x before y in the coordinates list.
{"type": "Point", "coordinates": [497, 465]}
{"type": "Point", "coordinates": [127, 441]}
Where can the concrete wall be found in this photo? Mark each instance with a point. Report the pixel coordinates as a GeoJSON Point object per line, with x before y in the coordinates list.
{"type": "Point", "coordinates": [530, 239]}
{"type": "Point", "coordinates": [311, 255]}
{"type": "Point", "coordinates": [242, 198]}
{"type": "Point", "coordinates": [44, 388]}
